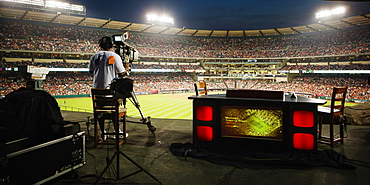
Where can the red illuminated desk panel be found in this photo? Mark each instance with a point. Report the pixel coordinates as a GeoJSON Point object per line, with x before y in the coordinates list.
{"type": "Point", "coordinates": [238, 124]}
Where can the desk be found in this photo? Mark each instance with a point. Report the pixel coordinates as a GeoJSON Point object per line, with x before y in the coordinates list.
{"type": "Point", "coordinates": [255, 124]}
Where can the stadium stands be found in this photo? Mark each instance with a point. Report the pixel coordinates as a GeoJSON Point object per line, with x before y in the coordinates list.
{"type": "Point", "coordinates": [31, 43]}
{"type": "Point", "coordinates": [40, 37]}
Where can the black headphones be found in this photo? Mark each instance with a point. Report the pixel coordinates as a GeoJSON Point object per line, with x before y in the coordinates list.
{"type": "Point", "coordinates": [106, 42]}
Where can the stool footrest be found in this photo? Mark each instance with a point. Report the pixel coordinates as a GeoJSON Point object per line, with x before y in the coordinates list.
{"type": "Point", "coordinates": [105, 142]}
{"type": "Point", "coordinates": [326, 140]}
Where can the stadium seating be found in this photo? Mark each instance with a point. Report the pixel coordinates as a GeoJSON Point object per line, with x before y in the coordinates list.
{"type": "Point", "coordinates": [51, 42]}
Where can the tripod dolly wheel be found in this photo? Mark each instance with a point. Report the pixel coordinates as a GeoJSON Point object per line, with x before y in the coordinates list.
{"type": "Point", "coordinates": [148, 122]}
{"type": "Point", "coordinates": [152, 128]}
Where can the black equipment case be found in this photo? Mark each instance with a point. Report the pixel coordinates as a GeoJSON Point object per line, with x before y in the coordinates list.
{"type": "Point", "coordinates": [44, 162]}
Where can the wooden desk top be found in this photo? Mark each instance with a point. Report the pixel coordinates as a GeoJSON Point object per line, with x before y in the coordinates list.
{"type": "Point", "coordinates": [286, 99]}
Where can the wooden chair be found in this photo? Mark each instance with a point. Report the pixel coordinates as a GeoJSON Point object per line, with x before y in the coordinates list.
{"type": "Point", "coordinates": [334, 115]}
{"type": "Point", "coordinates": [201, 88]}
{"type": "Point", "coordinates": [107, 108]}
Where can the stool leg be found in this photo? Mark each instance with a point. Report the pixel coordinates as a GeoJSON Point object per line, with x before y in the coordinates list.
{"type": "Point", "coordinates": [341, 127]}
{"type": "Point", "coordinates": [124, 126]}
{"type": "Point", "coordinates": [320, 126]}
{"type": "Point", "coordinates": [332, 132]}
{"type": "Point", "coordinates": [96, 133]}
{"type": "Point", "coordinates": [116, 130]}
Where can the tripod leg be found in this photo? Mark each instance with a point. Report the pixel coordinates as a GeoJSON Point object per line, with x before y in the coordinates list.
{"type": "Point", "coordinates": [107, 166]}
{"type": "Point", "coordinates": [151, 127]}
{"type": "Point", "coordinates": [141, 168]}
{"type": "Point", "coordinates": [144, 120]}
{"type": "Point", "coordinates": [136, 103]}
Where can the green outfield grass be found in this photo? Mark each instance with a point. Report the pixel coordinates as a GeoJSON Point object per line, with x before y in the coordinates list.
{"type": "Point", "coordinates": [169, 106]}
{"type": "Point", "coordinates": [346, 104]}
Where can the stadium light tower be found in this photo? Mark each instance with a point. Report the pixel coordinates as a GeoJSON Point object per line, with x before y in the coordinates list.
{"type": "Point", "coordinates": [160, 19]}
{"type": "Point", "coordinates": [46, 6]}
{"type": "Point", "coordinates": [330, 13]}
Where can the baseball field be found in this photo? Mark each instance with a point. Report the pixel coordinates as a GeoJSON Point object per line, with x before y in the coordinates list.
{"type": "Point", "coordinates": [168, 106]}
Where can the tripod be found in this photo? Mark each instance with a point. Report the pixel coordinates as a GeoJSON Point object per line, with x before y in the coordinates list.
{"type": "Point", "coordinates": [123, 89]}
{"type": "Point", "coordinates": [117, 154]}
{"type": "Point", "coordinates": [88, 123]}
{"type": "Point", "coordinates": [116, 96]}
{"type": "Point", "coordinates": [144, 120]}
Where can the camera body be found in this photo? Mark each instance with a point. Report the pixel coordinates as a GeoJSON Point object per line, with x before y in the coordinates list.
{"type": "Point", "coordinates": [128, 53]}
{"type": "Point", "coordinates": [122, 86]}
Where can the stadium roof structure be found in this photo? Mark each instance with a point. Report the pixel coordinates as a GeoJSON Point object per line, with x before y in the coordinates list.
{"type": "Point", "coordinates": [58, 18]}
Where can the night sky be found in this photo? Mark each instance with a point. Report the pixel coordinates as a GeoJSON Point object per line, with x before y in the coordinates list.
{"type": "Point", "coordinates": [219, 14]}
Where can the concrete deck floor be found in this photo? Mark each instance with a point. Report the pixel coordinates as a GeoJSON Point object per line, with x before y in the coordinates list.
{"type": "Point", "coordinates": [151, 151]}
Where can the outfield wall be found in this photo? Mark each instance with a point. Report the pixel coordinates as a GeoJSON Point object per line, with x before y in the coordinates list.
{"type": "Point", "coordinates": [72, 96]}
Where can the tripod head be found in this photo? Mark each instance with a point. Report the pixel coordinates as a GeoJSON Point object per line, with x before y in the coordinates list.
{"type": "Point", "coordinates": [122, 87]}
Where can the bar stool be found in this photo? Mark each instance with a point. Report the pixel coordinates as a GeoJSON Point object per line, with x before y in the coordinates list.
{"type": "Point", "coordinates": [334, 114]}
{"type": "Point", "coordinates": [107, 108]}
{"type": "Point", "coordinates": [201, 88]}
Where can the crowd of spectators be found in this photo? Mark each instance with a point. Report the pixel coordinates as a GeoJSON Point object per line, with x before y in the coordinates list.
{"type": "Point", "coordinates": [155, 83]}
{"type": "Point", "coordinates": [9, 83]}
{"type": "Point", "coordinates": [69, 83]}
{"type": "Point", "coordinates": [62, 64]}
{"type": "Point", "coordinates": [42, 37]}
{"type": "Point", "coordinates": [358, 87]}
{"type": "Point", "coordinates": [356, 66]}
{"type": "Point", "coordinates": [49, 38]}
{"type": "Point", "coordinates": [167, 66]}
{"type": "Point", "coordinates": [182, 66]}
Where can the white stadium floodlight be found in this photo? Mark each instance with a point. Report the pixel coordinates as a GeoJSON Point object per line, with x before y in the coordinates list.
{"type": "Point", "coordinates": [329, 13]}
{"type": "Point", "coordinates": [46, 5]}
{"type": "Point", "coordinates": [61, 5]}
{"type": "Point", "coordinates": [156, 19]}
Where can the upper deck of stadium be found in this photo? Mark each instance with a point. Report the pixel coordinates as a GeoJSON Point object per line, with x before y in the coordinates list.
{"type": "Point", "coordinates": [83, 21]}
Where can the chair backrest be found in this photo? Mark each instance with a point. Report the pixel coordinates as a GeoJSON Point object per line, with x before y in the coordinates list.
{"type": "Point", "coordinates": [103, 101]}
{"type": "Point", "coordinates": [200, 88]}
{"type": "Point", "coordinates": [338, 99]}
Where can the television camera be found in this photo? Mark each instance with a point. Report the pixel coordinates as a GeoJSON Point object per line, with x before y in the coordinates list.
{"type": "Point", "coordinates": [127, 53]}
{"type": "Point", "coordinates": [122, 87]}
{"type": "Point", "coordinates": [34, 75]}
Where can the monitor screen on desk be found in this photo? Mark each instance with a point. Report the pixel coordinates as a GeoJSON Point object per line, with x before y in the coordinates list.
{"type": "Point", "coordinates": [252, 122]}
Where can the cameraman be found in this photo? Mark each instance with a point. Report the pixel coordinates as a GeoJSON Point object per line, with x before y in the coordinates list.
{"type": "Point", "coordinates": [106, 65]}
